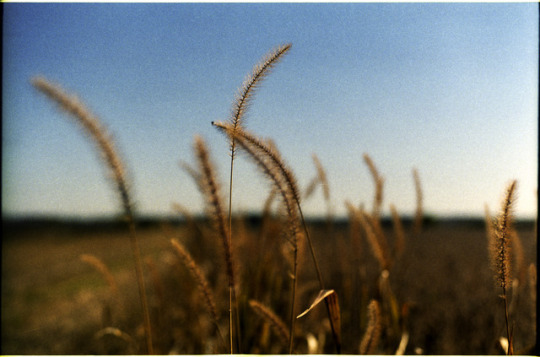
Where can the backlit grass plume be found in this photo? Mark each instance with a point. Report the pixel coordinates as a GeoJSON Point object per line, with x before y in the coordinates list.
{"type": "Point", "coordinates": [93, 127]}
{"type": "Point", "coordinates": [269, 161]}
{"type": "Point", "coordinates": [252, 82]}
{"type": "Point", "coordinates": [500, 252]}
{"type": "Point", "coordinates": [241, 104]}
{"type": "Point", "coordinates": [105, 145]}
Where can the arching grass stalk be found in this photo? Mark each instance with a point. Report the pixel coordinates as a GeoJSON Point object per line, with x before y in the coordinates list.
{"type": "Point", "coordinates": [267, 156]}
{"type": "Point", "coordinates": [241, 104]}
{"type": "Point", "coordinates": [105, 145]}
{"type": "Point", "coordinates": [284, 189]}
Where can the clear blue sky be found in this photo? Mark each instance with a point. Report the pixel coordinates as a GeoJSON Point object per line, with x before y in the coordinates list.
{"type": "Point", "coordinates": [451, 89]}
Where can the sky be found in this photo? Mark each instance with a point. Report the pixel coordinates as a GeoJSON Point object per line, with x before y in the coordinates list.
{"type": "Point", "coordinates": [448, 88]}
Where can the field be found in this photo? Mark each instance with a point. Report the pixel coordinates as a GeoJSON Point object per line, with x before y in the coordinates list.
{"type": "Point", "coordinates": [54, 303]}
{"type": "Point", "coordinates": [274, 282]}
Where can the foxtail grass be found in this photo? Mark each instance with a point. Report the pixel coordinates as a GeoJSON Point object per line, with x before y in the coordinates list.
{"type": "Point", "coordinates": [202, 283]}
{"type": "Point", "coordinates": [378, 180]}
{"type": "Point", "coordinates": [268, 158]}
{"type": "Point", "coordinates": [376, 239]}
{"type": "Point", "coordinates": [285, 185]}
{"type": "Point", "coordinates": [373, 332]}
{"type": "Point", "coordinates": [501, 255]}
{"type": "Point", "coordinates": [105, 145]}
{"type": "Point", "coordinates": [241, 105]}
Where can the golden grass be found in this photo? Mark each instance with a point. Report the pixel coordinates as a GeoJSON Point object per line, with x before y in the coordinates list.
{"type": "Point", "coordinates": [93, 127]}
{"type": "Point", "coordinates": [378, 180]}
{"type": "Point", "coordinates": [385, 330]}
{"type": "Point", "coordinates": [501, 255]}
{"type": "Point", "coordinates": [368, 346]}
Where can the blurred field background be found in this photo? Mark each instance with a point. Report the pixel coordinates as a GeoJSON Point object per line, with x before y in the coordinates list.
{"type": "Point", "coordinates": [54, 303]}
{"type": "Point", "coordinates": [450, 90]}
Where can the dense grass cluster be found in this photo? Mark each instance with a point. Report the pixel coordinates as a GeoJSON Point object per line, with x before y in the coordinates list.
{"type": "Point", "coordinates": [284, 285]}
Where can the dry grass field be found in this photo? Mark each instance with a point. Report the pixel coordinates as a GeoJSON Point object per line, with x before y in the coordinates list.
{"type": "Point", "coordinates": [54, 303]}
{"type": "Point", "coordinates": [271, 283]}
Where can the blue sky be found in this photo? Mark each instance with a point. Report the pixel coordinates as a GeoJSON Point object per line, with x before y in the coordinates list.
{"type": "Point", "coordinates": [451, 89]}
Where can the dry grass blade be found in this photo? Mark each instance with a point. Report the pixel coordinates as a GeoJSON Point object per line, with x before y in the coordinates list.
{"type": "Point", "coordinates": [93, 127]}
{"type": "Point", "coordinates": [419, 214]}
{"type": "Point", "coordinates": [277, 324]}
{"type": "Point", "coordinates": [332, 302]}
{"type": "Point", "coordinates": [323, 294]}
{"type": "Point", "coordinates": [373, 332]}
{"type": "Point", "coordinates": [115, 333]}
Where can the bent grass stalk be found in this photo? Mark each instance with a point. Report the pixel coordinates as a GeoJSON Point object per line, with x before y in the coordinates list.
{"type": "Point", "coordinates": [105, 145]}
{"type": "Point", "coordinates": [269, 158]}
{"type": "Point", "coordinates": [286, 192]}
{"type": "Point", "coordinates": [241, 104]}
